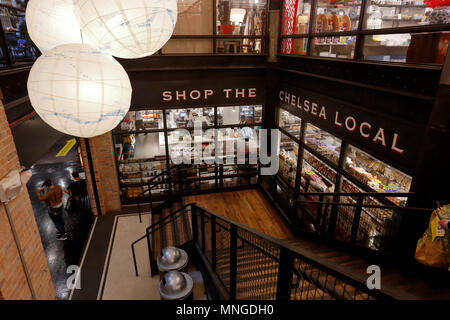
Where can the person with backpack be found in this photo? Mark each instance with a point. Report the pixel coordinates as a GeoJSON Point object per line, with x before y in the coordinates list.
{"type": "Point", "coordinates": [53, 197]}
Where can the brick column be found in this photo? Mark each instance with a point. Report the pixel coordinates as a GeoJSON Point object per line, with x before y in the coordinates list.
{"type": "Point", "coordinates": [13, 282]}
{"type": "Point", "coordinates": [102, 154]}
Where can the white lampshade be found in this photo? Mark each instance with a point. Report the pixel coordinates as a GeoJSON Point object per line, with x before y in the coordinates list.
{"type": "Point", "coordinates": [79, 91]}
{"type": "Point", "coordinates": [127, 28]}
{"type": "Point", "coordinates": [51, 23]}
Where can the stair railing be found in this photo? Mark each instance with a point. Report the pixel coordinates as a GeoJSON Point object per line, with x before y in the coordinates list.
{"type": "Point", "coordinates": [370, 220]}
{"type": "Point", "coordinates": [150, 187]}
{"type": "Point", "coordinates": [152, 229]}
{"type": "Point", "coordinates": [251, 265]}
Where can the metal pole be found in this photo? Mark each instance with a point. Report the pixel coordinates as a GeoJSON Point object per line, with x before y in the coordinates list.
{"type": "Point", "coordinates": [19, 248]}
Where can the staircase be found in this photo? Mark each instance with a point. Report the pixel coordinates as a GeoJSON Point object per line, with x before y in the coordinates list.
{"type": "Point", "coordinates": [244, 264]}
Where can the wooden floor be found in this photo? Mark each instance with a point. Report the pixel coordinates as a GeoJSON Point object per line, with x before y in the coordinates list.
{"type": "Point", "coordinates": [248, 207]}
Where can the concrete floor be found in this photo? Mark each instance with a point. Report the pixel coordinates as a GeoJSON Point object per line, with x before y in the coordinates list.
{"type": "Point", "coordinates": [33, 138]}
{"type": "Point", "coordinates": [60, 254]}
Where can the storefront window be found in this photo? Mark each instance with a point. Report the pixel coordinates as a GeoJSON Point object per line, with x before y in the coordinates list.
{"type": "Point", "coordinates": [372, 222]}
{"type": "Point", "coordinates": [323, 143]}
{"type": "Point", "coordinates": [241, 17]}
{"type": "Point", "coordinates": [141, 158]}
{"type": "Point", "coordinates": [195, 17]}
{"type": "Point", "coordinates": [319, 176]}
{"type": "Point", "coordinates": [239, 115]}
{"type": "Point", "coordinates": [405, 47]}
{"type": "Point", "coordinates": [396, 14]}
{"type": "Point", "coordinates": [376, 174]}
{"type": "Point", "coordinates": [175, 46]}
{"type": "Point", "coordinates": [337, 16]}
{"type": "Point", "coordinates": [296, 17]}
{"type": "Point", "coordinates": [246, 45]}
{"type": "Point", "coordinates": [185, 118]}
{"type": "Point", "coordinates": [18, 42]}
{"type": "Point", "coordinates": [334, 47]}
{"type": "Point", "coordinates": [288, 160]}
{"type": "Point", "coordinates": [289, 122]}
{"type": "Point", "coordinates": [142, 120]}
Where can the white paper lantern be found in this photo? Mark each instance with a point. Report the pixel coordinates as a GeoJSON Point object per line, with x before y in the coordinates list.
{"type": "Point", "coordinates": [51, 23]}
{"type": "Point", "coordinates": [127, 28]}
{"type": "Point", "coordinates": [79, 91]}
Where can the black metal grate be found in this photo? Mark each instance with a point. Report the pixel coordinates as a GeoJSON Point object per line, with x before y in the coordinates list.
{"type": "Point", "coordinates": [257, 268]}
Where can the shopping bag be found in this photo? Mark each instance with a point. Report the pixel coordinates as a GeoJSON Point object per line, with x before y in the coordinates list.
{"type": "Point", "coordinates": [69, 204]}
{"type": "Point", "coordinates": [433, 249]}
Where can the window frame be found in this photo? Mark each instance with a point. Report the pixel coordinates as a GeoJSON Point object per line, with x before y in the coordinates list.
{"type": "Point", "coordinates": [360, 33]}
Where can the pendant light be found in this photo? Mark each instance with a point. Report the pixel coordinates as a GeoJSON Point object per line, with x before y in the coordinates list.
{"type": "Point", "coordinates": [79, 91]}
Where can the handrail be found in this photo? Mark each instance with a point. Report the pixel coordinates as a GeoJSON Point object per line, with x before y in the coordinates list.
{"type": "Point", "coordinates": [369, 194]}
{"type": "Point", "coordinates": [315, 261]}
{"type": "Point", "coordinates": [311, 259]}
{"type": "Point", "coordinates": [365, 206]}
{"type": "Point", "coordinates": [150, 187]}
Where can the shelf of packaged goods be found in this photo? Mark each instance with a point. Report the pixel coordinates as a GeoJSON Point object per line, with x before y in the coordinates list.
{"type": "Point", "coordinates": [332, 44]}
{"type": "Point", "coordinates": [318, 172]}
{"type": "Point", "coordinates": [338, 4]}
{"type": "Point", "coordinates": [385, 5]}
{"type": "Point", "coordinates": [402, 19]}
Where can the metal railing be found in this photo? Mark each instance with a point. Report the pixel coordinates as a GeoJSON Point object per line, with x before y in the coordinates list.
{"type": "Point", "coordinates": [371, 220]}
{"type": "Point", "coordinates": [252, 265]}
{"type": "Point", "coordinates": [150, 186]}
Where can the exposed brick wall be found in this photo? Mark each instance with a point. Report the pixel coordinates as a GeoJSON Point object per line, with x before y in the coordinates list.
{"type": "Point", "coordinates": [102, 153]}
{"type": "Point", "coordinates": [13, 283]}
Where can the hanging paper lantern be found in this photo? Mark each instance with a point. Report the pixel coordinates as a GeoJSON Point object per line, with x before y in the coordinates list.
{"type": "Point", "coordinates": [127, 28]}
{"type": "Point", "coordinates": [51, 23]}
{"type": "Point", "coordinates": [79, 91]}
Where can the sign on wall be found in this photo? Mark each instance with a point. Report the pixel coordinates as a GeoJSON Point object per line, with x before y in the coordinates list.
{"type": "Point", "coordinates": [197, 89]}
{"type": "Point", "coordinates": [385, 137]}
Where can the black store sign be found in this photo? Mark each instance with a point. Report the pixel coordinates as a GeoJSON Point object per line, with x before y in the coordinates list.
{"type": "Point", "coordinates": [389, 139]}
{"type": "Point", "coordinates": [198, 92]}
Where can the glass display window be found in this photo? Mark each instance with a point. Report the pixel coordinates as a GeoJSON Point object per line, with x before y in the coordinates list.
{"type": "Point", "coordinates": [20, 46]}
{"type": "Point", "coordinates": [239, 45]}
{"type": "Point", "coordinates": [185, 118]}
{"type": "Point", "coordinates": [288, 159]}
{"type": "Point", "coordinates": [296, 19]}
{"type": "Point", "coordinates": [184, 46]}
{"type": "Point", "coordinates": [335, 47]}
{"type": "Point", "coordinates": [376, 174]}
{"type": "Point", "coordinates": [319, 176]}
{"type": "Point", "coordinates": [396, 14]}
{"type": "Point", "coordinates": [195, 17]}
{"type": "Point", "coordinates": [239, 115]}
{"type": "Point", "coordinates": [289, 122]}
{"type": "Point", "coordinates": [323, 143]}
{"type": "Point", "coordinates": [229, 140]}
{"type": "Point", "coordinates": [142, 120]}
{"type": "Point", "coordinates": [141, 146]}
{"type": "Point", "coordinates": [405, 47]}
{"type": "Point", "coordinates": [337, 16]}
{"type": "Point", "coordinates": [241, 17]}
{"type": "Point", "coordinates": [190, 147]}
{"type": "Point", "coordinates": [372, 222]}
